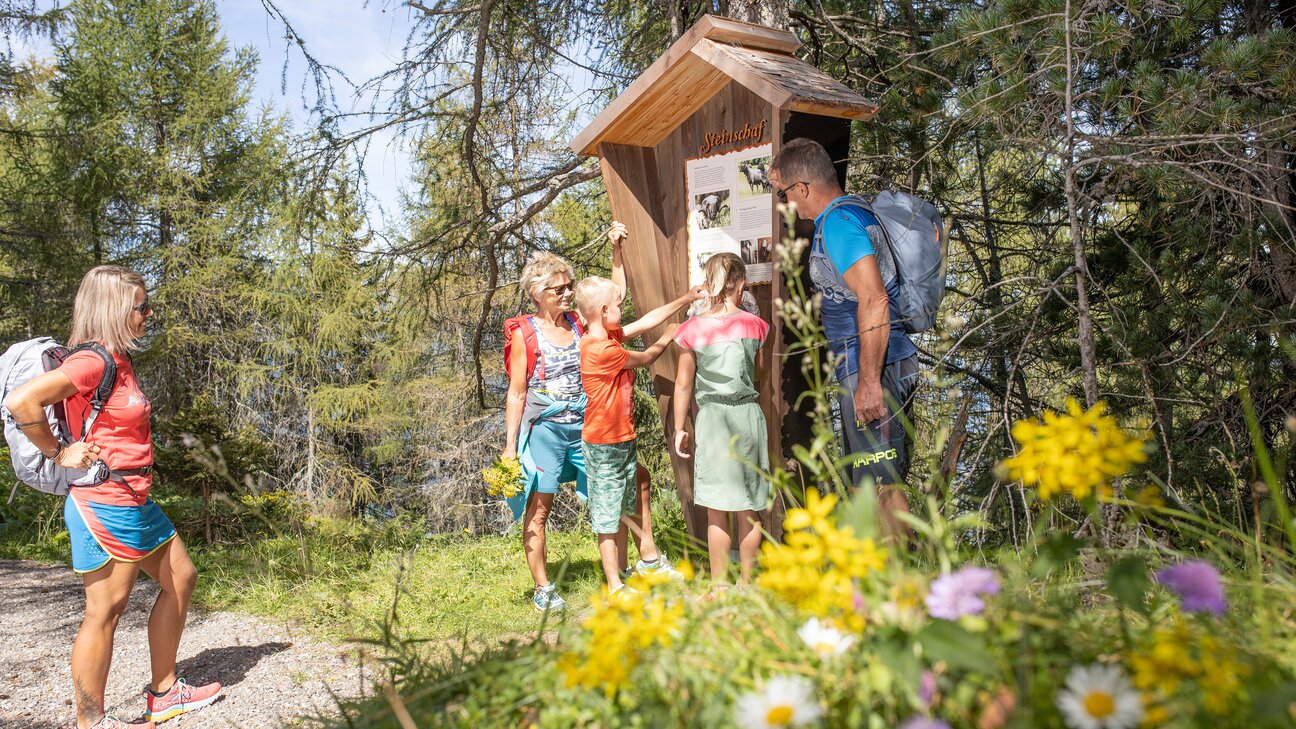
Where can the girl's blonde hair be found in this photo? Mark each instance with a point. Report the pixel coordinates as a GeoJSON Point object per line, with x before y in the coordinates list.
{"type": "Point", "coordinates": [723, 273]}
{"type": "Point", "coordinates": [101, 311]}
{"type": "Point", "coordinates": [539, 270]}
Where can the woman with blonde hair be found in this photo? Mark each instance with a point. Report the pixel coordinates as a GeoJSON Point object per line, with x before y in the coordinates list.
{"type": "Point", "coordinates": [545, 409]}
{"type": "Point", "coordinates": [116, 530]}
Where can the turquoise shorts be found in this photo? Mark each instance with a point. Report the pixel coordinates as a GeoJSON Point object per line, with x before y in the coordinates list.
{"type": "Point", "coordinates": [103, 532]}
{"type": "Point", "coordinates": [610, 473]}
{"type": "Point", "coordinates": [556, 450]}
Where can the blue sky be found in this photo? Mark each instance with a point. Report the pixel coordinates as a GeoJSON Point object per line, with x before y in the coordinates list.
{"type": "Point", "coordinates": [362, 39]}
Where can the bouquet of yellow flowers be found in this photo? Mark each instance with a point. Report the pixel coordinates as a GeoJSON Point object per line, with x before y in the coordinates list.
{"type": "Point", "coordinates": [503, 477]}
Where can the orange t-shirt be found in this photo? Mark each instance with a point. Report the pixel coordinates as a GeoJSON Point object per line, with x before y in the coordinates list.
{"type": "Point", "coordinates": [122, 431]}
{"type": "Point", "coordinates": [609, 414]}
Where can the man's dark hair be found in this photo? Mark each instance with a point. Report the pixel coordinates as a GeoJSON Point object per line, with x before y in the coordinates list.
{"type": "Point", "coordinates": [804, 160]}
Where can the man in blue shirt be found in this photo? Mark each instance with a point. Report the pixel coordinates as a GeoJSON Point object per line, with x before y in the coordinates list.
{"type": "Point", "coordinates": [877, 365]}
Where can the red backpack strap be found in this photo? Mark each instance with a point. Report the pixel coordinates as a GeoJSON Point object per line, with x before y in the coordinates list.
{"type": "Point", "coordinates": [528, 339]}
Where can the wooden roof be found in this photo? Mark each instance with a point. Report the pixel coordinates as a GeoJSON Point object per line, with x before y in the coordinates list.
{"type": "Point", "coordinates": [695, 67]}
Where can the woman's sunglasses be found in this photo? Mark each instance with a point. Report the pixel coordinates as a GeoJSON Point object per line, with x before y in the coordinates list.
{"type": "Point", "coordinates": [560, 289]}
{"type": "Point", "coordinates": [144, 307]}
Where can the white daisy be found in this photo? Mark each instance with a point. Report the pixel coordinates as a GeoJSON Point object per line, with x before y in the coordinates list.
{"type": "Point", "coordinates": [784, 701]}
{"type": "Point", "coordinates": [1100, 697]}
{"type": "Point", "coordinates": [824, 639]}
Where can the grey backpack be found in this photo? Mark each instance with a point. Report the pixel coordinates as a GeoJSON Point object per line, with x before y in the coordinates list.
{"type": "Point", "coordinates": [22, 362]}
{"type": "Point", "coordinates": [915, 234]}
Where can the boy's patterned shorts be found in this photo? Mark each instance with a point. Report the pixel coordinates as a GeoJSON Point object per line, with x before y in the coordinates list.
{"type": "Point", "coordinates": [610, 475]}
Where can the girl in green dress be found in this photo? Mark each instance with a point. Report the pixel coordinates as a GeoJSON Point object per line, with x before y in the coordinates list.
{"type": "Point", "coordinates": [717, 367]}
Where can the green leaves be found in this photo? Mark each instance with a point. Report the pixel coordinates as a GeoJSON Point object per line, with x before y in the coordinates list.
{"type": "Point", "coordinates": [1128, 582]}
{"type": "Point", "coordinates": [1059, 549]}
{"type": "Point", "coordinates": [948, 642]}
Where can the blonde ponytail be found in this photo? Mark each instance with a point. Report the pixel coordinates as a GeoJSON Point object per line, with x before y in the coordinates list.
{"type": "Point", "coordinates": [723, 273]}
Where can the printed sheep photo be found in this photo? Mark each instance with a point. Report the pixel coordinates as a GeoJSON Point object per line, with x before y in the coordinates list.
{"type": "Point", "coordinates": [753, 177]}
{"type": "Point", "coordinates": [711, 210]}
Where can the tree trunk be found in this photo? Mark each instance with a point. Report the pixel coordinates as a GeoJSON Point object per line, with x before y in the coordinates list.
{"type": "Point", "coordinates": [770, 13]}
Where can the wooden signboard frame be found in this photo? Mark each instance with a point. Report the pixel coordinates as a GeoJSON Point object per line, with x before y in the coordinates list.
{"type": "Point", "coordinates": [722, 86]}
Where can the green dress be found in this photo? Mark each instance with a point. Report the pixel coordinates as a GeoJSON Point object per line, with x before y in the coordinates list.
{"type": "Point", "coordinates": [731, 448]}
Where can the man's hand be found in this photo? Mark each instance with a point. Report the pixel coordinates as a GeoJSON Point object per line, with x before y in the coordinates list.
{"type": "Point", "coordinates": [618, 233]}
{"type": "Point", "coordinates": [869, 404]}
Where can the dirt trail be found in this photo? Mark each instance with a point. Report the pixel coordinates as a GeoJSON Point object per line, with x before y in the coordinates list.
{"type": "Point", "coordinates": [272, 676]}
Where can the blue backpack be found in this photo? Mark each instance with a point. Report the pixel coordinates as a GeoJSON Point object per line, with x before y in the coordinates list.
{"type": "Point", "coordinates": [915, 234]}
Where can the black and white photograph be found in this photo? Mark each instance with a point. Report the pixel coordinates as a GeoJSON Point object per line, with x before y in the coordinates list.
{"type": "Point", "coordinates": [711, 210]}
{"type": "Point", "coordinates": [757, 250]}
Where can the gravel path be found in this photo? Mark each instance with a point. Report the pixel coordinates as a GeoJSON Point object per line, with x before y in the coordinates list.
{"type": "Point", "coordinates": [272, 676]}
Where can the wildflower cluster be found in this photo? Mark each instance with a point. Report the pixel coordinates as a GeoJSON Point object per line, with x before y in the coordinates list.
{"type": "Point", "coordinates": [1179, 666]}
{"type": "Point", "coordinates": [1078, 452]}
{"type": "Point", "coordinates": [503, 477]}
{"type": "Point", "coordinates": [817, 567]}
{"type": "Point", "coordinates": [623, 625]}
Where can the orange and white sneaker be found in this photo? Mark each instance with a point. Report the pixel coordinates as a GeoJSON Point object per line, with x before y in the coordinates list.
{"type": "Point", "coordinates": [179, 699]}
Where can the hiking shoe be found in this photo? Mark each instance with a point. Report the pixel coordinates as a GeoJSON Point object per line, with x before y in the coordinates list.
{"type": "Point", "coordinates": [109, 722]}
{"type": "Point", "coordinates": [546, 598]}
{"type": "Point", "coordinates": [661, 566]}
{"type": "Point", "coordinates": [179, 699]}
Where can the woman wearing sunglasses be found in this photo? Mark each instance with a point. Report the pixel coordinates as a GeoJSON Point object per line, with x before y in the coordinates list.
{"type": "Point", "coordinates": [116, 530]}
{"type": "Point", "coordinates": [545, 410]}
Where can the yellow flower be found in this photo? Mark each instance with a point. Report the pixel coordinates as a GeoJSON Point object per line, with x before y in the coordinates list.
{"type": "Point", "coordinates": [503, 477]}
{"type": "Point", "coordinates": [814, 515]}
{"type": "Point", "coordinates": [1078, 452]}
{"type": "Point", "coordinates": [620, 627]}
{"type": "Point", "coordinates": [817, 566]}
{"type": "Point", "coordinates": [1149, 497]}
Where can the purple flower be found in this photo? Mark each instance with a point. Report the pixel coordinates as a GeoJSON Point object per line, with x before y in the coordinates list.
{"type": "Point", "coordinates": [954, 595]}
{"type": "Point", "coordinates": [1197, 584]}
{"type": "Point", "coordinates": [922, 722]}
{"type": "Point", "coordinates": [927, 688]}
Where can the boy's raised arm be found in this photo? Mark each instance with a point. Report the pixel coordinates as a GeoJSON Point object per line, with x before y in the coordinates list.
{"type": "Point", "coordinates": [658, 316]}
{"type": "Point", "coordinates": [619, 235]}
{"type": "Point", "coordinates": [648, 356]}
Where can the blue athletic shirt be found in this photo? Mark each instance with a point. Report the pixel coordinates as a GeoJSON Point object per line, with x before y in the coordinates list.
{"type": "Point", "coordinates": [842, 234]}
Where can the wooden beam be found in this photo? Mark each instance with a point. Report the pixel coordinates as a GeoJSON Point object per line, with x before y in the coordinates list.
{"type": "Point", "coordinates": [738, 33]}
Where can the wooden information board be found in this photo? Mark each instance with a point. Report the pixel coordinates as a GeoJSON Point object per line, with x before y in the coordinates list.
{"type": "Point", "coordinates": [683, 152]}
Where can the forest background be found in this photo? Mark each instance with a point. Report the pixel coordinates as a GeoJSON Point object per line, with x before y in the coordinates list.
{"type": "Point", "coordinates": [1120, 178]}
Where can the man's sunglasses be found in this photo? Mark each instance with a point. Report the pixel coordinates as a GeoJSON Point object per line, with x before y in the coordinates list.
{"type": "Point", "coordinates": [782, 194]}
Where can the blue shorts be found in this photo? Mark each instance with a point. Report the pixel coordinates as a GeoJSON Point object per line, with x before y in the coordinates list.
{"type": "Point", "coordinates": [103, 532]}
{"type": "Point", "coordinates": [555, 449]}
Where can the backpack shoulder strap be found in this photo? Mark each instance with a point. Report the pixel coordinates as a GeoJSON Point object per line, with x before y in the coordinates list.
{"type": "Point", "coordinates": [865, 203]}
{"type": "Point", "coordinates": [107, 381]}
{"type": "Point", "coordinates": [532, 346]}
{"type": "Point", "coordinates": [575, 325]}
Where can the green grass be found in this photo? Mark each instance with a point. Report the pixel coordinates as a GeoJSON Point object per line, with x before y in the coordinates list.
{"type": "Point", "coordinates": [448, 587]}
{"type": "Point", "coordinates": [339, 578]}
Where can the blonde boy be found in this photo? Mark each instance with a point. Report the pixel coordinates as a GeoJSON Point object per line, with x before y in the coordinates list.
{"type": "Point", "coordinates": [608, 435]}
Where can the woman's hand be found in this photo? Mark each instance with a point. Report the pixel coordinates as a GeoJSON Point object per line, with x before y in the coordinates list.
{"type": "Point", "coordinates": [79, 455]}
{"type": "Point", "coordinates": [508, 454]}
{"type": "Point", "coordinates": [682, 443]}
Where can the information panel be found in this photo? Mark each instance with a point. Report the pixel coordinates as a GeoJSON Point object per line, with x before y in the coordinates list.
{"type": "Point", "coordinates": [730, 211]}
